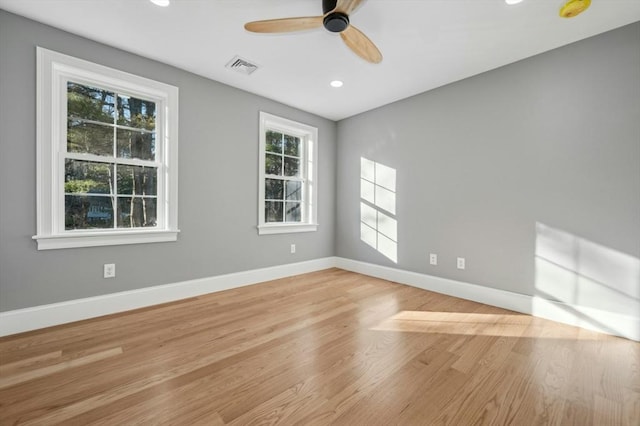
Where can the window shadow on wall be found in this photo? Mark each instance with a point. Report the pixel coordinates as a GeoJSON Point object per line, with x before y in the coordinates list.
{"type": "Point", "coordinates": [378, 223]}
{"type": "Point", "coordinates": [589, 279]}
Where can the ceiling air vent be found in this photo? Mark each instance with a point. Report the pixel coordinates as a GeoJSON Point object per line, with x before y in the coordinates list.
{"type": "Point", "coordinates": [241, 65]}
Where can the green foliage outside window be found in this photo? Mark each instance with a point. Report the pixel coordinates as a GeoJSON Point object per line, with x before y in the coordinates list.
{"type": "Point", "coordinates": [103, 123]}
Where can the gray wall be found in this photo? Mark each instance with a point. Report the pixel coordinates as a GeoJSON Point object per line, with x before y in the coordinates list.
{"type": "Point", "coordinates": [218, 182]}
{"type": "Point", "coordinates": [553, 139]}
{"type": "Point", "coordinates": [520, 170]}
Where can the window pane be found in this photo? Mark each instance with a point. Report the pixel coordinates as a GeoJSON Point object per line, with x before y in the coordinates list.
{"type": "Point", "coordinates": [89, 138]}
{"type": "Point", "coordinates": [291, 167]}
{"type": "Point", "coordinates": [138, 113]}
{"type": "Point", "coordinates": [291, 145]}
{"type": "Point", "coordinates": [294, 213]}
{"type": "Point", "coordinates": [294, 190]}
{"type": "Point", "coordinates": [273, 211]}
{"type": "Point", "coordinates": [273, 189]}
{"type": "Point", "coordinates": [274, 142]}
{"type": "Point", "coordinates": [86, 177]}
{"type": "Point", "coordinates": [86, 212]}
{"type": "Point", "coordinates": [137, 180]}
{"type": "Point", "coordinates": [134, 144]}
{"type": "Point", "coordinates": [136, 212]}
{"type": "Point", "coordinates": [273, 165]}
{"type": "Point", "coordinates": [90, 103]}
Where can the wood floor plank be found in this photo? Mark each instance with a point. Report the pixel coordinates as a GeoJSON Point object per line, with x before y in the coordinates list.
{"type": "Point", "coordinates": [21, 377]}
{"type": "Point", "coordinates": [395, 392]}
{"type": "Point", "coordinates": [29, 363]}
{"type": "Point", "coordinates": [253, 371]}
{"type": "Point", "coordinates": [191, 364]}
{"type": "Point", "coordinates": [139, 364]}
{"type": "Point", "coordinates": [329, 347]}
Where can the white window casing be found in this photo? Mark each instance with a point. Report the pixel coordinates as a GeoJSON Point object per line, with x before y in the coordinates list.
{"type": "Point", "coordinates": [309, 174]}
{"type": "Point", "coordinates": [54, 70]}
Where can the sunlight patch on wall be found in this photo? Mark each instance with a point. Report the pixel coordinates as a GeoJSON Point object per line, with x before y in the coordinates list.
{"type": "Point", "coordinates": [582, 273]}
{"type": "Point", "coordinates": [378, 225]}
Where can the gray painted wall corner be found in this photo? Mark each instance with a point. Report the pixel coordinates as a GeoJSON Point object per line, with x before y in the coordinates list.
{"type": "Point", "coordinates": [483, 165]}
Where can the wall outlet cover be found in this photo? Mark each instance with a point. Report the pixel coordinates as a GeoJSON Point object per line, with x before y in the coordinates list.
{"type": "Point", "coordinates": [109, 270]}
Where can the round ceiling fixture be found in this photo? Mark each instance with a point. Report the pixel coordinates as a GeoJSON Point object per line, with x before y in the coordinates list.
{"type": "Point", "coordinates": [574, 7]}
{"type": "Point", "coordinates": [512, 2]}
{"type": "Point", "coordinates": [336, 83]}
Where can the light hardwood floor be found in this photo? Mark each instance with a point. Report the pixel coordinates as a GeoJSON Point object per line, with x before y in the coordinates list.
{"type": "Point", "coordinates": [330, 347]}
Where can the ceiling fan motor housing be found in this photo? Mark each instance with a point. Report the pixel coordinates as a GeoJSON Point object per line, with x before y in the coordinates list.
{"type": "Point", "coordinates": [335, 22]}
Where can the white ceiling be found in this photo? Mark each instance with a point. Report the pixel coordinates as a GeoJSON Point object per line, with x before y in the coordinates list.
{"type": "Point", "coordinates": [425, 43]}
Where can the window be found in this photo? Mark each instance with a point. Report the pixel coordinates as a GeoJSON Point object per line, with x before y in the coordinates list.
{"type": "Point", "coordinates": [288, 190]}
{"type": "Point", "coordinates": [107, 155]}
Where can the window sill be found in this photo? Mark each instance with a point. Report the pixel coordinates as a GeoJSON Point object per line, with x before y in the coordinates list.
{"type": "Point", "coordinates": [96, 239]}
{"type": "Point", "coordinates": [286, 228]}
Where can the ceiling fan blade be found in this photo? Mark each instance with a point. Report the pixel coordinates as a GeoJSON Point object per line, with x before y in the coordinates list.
{"type": "Point", "coordinates": [361, 45]}
{"type": "Point", "coordinates": [347, 6]}
{"type": "Point", "coordinates": [284, 25]}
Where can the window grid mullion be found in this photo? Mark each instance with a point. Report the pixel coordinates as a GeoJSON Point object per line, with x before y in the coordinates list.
{"type": "Point", "coordinates": [284, 182]}
{"type": "Point", "coordinates": [112, 160]}
{"type": "Point", "coordinates": [284, 187]}
{"type": "Point", "coordinates": [303, 172]}
{"type": "Point", "coordinates": [290, 178]}
{"type": "Point", "coordinates": [114, 201]}
{"type": "Point", "coordinates": [117, 126]}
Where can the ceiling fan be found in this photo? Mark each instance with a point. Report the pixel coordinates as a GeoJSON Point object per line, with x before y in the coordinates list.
{"type": "Point", "coordinates": [335, 18]}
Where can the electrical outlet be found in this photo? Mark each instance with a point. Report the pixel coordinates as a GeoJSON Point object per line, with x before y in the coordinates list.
{"type": "Point", "coordinates": [293, 248]}
{"type": "Point", "coordinates": [433, 259]}
{"type": "Point", "coordinates": [461, 263]}
{"type": "Point", "coordinates": [109, 270]}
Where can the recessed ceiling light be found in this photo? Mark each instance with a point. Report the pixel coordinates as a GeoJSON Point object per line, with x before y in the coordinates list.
{"type": "Point", "coordinates": [162, 3]}
{"type": "Point", "coordinates": [336, 83]}
{"type": "Point", "coordinates": [512, 1]}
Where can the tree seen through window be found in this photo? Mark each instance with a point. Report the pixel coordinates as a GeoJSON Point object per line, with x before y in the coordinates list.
{"type": "Point", "coordinates": [111, 174]}
{"type": "Point", "coordinates": [283, 182]}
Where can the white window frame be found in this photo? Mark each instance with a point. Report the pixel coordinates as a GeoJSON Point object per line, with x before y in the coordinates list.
{"type": "Point", "coordinates": [309, 170]}
{"type": "Point", "coordinates": [53, 73]}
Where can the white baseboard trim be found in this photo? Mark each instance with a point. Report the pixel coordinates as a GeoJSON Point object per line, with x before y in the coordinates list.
{"type": "Point", "coordinates": [27, 319]}
{"type": "Point", "coordinates": [477, 293]}
{"type": "Point", "coordinates": [21, 320]}
{"type": "Point", "coordinates": [585, 317]}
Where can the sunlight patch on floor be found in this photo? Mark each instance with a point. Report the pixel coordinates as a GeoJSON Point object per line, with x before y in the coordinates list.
{"type": "Point", "coordinates": [505, 325]}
